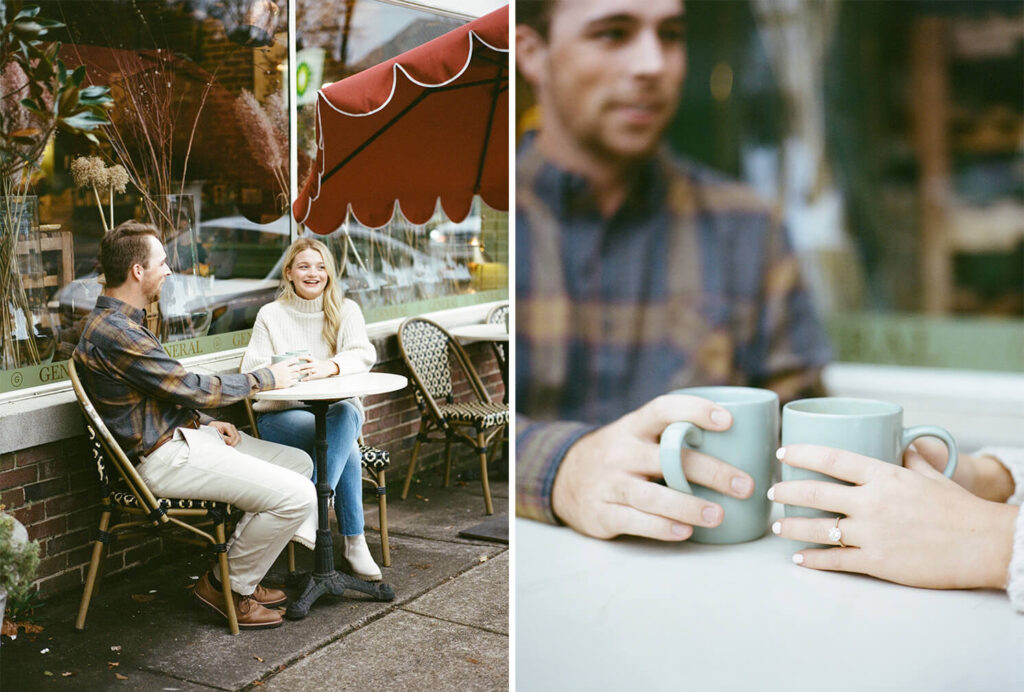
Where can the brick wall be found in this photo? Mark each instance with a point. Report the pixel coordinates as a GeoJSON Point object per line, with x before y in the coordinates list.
{"type": "Point", "coordinates": [53, 490]}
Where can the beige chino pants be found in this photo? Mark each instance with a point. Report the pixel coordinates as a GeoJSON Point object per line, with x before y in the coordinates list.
{"type": "Point", "coordinates": [268, 481]}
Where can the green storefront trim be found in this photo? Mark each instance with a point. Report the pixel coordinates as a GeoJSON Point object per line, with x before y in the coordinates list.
{"type": "Point", "coordinates": [48, 373]}
{"type": "Point", "coordinates": [963, 343]}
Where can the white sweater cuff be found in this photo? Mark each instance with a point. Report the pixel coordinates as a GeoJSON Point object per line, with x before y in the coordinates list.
{"type": "Point", "coordinates": [1013, 459]}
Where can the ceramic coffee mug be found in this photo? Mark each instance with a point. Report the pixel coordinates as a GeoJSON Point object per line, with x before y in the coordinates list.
{"type": "Point", "coordinates": [865, 426]}
{"type": "Point", "coordinates": [749, 444]}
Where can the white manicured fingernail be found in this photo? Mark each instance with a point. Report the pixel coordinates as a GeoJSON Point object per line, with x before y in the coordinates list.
{"type": "Point", "coordinates": [771, 493]}
{"type": "Point", "coordinates": [680, 530]}
{"type": "Point", "coordinates": [719, 417]}
{"type": "Point", "coordinates": [798, 559]}
{"type": "Point", "coordinates": [777, 528]}
{"type": "Point", "coordinates": [780, 453]}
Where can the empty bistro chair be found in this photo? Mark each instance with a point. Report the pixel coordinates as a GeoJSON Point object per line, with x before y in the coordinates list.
{"type": "Point", "coordinates": [428, 351]}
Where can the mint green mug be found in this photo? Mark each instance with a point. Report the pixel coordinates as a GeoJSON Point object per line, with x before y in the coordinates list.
{"type": "Point", "coordinates": [749, 444]}
{"type": "Point", "coordinates": [865, 426]}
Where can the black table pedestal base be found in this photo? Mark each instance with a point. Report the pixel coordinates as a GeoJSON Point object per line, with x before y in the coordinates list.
{"type": "Point", "coordinates": [334, 584]}
{"type": "Point", "coordinates": [325, 579]}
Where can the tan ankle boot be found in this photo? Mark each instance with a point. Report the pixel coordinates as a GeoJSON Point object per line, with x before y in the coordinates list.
{"type": "Point", "coordinates": [359, 559]}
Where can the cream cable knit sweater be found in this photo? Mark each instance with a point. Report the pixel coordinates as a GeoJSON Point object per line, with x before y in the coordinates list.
{"type": "Point", "coordinates": [291, 324]}
{"type": "Point", "coordinates": [1013, 459]}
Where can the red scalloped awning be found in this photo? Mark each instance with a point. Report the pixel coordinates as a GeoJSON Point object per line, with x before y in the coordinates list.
{"type": "Point", "coordinates": [431, 123]}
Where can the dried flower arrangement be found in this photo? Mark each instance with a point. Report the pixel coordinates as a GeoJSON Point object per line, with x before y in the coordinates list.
{"type": "Point", "coordinates": [38, 95]}
{"type": "Point", "coordinates": [266, 134]}
{"type": "Point", "coordinates": [90, 172]}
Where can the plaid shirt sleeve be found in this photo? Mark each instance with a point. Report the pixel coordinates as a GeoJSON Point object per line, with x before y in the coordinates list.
{"type": "Point", "coordinates": [540, 448]}
{"type": "Point", "coordinates": [144, 363]}
{"type": "Point", "coordinates": [141, 392]}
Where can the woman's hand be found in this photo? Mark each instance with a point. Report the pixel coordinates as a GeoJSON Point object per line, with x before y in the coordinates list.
{"type": "Point", "coordinates": [314, 369]}
{"type": "Point", "coordinates": [908, 525]}
{"type": "Point", "coordinates": [983, 476]}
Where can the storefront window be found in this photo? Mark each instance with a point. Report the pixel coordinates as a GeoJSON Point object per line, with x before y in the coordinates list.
{"type": "Point", "coordinates": [198, 144]}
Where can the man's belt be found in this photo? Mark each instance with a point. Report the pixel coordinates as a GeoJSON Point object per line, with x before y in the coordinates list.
{"type": "Point", "coordinates": [193, 424]}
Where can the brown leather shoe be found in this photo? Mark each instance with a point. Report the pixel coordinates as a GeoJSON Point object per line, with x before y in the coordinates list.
{"type": "Point", "coordinates": [269, 598]}
{"type": "Point", "coordinates": [251, 615]}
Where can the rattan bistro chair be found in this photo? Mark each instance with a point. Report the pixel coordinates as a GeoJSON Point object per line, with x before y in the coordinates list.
{"type": "Point", "coordinates": [497, 315]}
{"type": "Point", "coordinates": [427, 350]}
{"type": "Point", "coordinates": [124, 492]}
{"type": "Point", "coordinates": [375, 463]}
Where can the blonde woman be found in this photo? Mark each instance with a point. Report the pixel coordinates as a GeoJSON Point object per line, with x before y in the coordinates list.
{"type": "Point", "coordinates": [311, 314]}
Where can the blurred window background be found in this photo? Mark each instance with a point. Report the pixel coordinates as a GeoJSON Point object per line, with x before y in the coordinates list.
{"type": "Point", "coordinates": [892, 136]}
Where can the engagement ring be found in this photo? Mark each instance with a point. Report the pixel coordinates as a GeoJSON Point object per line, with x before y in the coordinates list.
{"type": "Point", "coordinates": [835, 535]}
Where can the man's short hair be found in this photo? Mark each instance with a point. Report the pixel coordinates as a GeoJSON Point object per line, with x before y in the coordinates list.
{"type": "Point", "coordinates": [536, 14]}
{"type": "Point", "coordinates": [122, 248]}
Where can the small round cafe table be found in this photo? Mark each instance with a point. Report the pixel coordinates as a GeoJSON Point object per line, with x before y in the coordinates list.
{"type": "Point", "coordinates": [470, 333]}
{"type": "Point", "coordinates": [639, 614]}
{"type": "Point", "coordinates": [319, 395]}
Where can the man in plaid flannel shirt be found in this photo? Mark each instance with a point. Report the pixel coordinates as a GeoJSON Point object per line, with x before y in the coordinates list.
{"type": "Point", "coordinates": [636, 273]}
{"type": "Point", "coordinates": [150, 403]}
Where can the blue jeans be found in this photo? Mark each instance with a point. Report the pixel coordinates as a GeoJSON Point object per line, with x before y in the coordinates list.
{"type": "Point", "coordinates": [297, 427]}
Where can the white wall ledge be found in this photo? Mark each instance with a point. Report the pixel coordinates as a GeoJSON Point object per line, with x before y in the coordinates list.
{"type": "Point", "coordinates": [49, 413]}
{"type": "Point", "coordinates": [979, 408]}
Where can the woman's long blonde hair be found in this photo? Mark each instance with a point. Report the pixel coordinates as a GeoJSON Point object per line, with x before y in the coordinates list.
{"type": "Point", "coordinates": [332, 292]}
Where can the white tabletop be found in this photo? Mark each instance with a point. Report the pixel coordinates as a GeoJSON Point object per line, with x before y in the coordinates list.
{"type": "Point", "coordinates": [341, 387]}
{"type": "Point", "coordinates": [480, 332]}
{"type": "Point", "coordinates": [634, 614]}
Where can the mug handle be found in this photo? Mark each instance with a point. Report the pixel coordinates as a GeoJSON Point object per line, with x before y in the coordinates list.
{"type": "Point", "coordinates": [676, 437]}
{"type": "Point", "coordinates": [911, 434]}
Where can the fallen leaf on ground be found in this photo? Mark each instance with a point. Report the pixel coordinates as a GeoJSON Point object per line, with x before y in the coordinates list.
{"type": "Point", "coordinates": [66, 674]}
{"type": "Point", "coordinates": [483, 558]}
{"type": "Point", "coordinates": [420, 565]}
{"type": "Point", "coordinates": [120, 677]}
{"type": "Point", "coordinates": [258, 659]}
{"type": "Point", "coordinates": [113, 664]}
{"type": "Point", "coordinates": [142, 597]}
{"type": "Point", "coordinates": [47, 673]}
{"type": "Point", "coordinates": [472, 660]}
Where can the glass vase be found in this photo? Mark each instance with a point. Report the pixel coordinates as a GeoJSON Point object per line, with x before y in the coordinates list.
{"type": "Point", "coordinates": [26, 328]}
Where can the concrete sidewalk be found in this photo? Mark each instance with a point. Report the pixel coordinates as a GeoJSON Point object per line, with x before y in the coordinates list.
{"type": "Point", "coordinates": [447, 627]}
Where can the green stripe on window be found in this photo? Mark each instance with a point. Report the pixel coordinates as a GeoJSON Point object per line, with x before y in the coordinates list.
{"type": "Point", "coordinates": [968, 343]}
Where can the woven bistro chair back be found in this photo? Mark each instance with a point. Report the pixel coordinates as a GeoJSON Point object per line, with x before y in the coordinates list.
{"type": "Point", "coordinates": [124, 492]}
{"type": "Point", "coordinates": [497, 315]}
{"type": "Point", "coordinates": [429, 352]}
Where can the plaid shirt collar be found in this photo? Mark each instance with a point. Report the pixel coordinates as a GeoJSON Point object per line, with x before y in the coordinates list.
{"type": "Point", "coordinates": [136, 315]}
